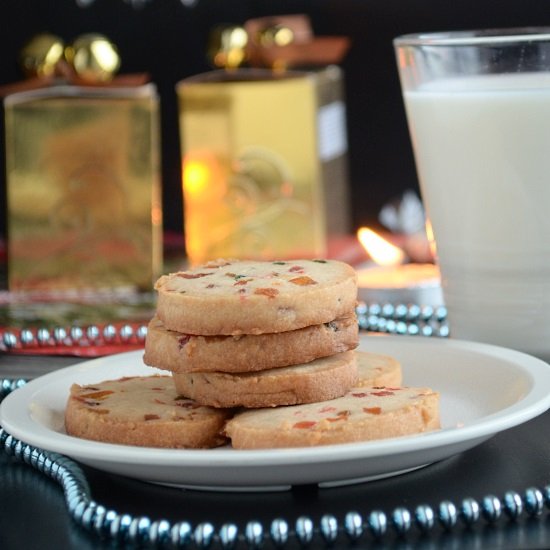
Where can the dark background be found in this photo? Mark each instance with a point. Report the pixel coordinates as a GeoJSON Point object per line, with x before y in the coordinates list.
{"type": "Point", "coordinates": [168, 40]}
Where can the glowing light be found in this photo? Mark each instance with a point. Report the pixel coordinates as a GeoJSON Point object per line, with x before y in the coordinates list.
{"type": "Point", "coordinates": [379, 249]}
{"type": "Point", "coordinates": [197, 174]}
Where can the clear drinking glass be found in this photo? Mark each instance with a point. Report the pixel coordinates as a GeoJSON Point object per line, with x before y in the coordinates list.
{"type": "Point", "coordinates": [478, 109]}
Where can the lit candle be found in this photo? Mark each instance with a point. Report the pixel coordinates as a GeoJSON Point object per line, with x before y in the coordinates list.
{"type": "Point", "coordinates": [401, 284]}
{"type": "Point", "coordinates": [388, 280]}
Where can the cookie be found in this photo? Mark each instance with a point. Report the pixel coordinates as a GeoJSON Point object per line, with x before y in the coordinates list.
{"type": "Point", "coordinates": [253, 297]}
{"type": "Point", "coordinates": [374, 369]}
{"type": "Point", "coordinates": [143, 410]}
{"type": "Point", "coordinates": [319, 380]}
{"type": "Point", "coordinates": [181, 353]}
{"type": "Point", "coordinates": [363, 414]}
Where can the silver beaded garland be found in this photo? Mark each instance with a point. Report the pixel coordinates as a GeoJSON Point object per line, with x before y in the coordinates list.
{"type": "Point", "coordinates": [43, 336]}
{"type": "Point", "coordinates": [513, 505]}
{"type": "Point", "coordinates": [181, 534]}
{"type": "Point", "coordinates": [534, 501]}
{"type": "Point", "coordinates": [447, 514]}
{"type": "Point", "coordinates": [424, 517]}
{"type": "Point", "coordinates": [401, 519]}
{"type": "Point", "coordinates": [26, 337]}
{"type": "Point", "coordinates": [353, 524]}
{"type": "Point", "coordinates": [88, 515]}
{"type": "Point", "coordinates": [138, 530]}
{"type": "Point", "coordinates": [34, 461]}
{"type": "Point", "coordinates": [159, 533]}
{"type": "Point", "coordinates": [378, 523]}
{"type": "Point", "coordinates": [203, 534]}
{"type": "Point", "coordinates": [141, 333]}
{"type": "Point", "coordinates": [79, 508]}
{"type": "Point", "coordinates": [304, 530]}
{"type": "Point", "coordinates": [469, 511]}
{"type": "Point", "coordinates": [99, 518]}
{"type": "Point", "coordinates": [491, 508]}
{"type": "Point", "coordinates": [76, 335]}
{"type": "Point", "coordinates": [254, 534]}
{"type": "Point", "coordinates": [279, 532]}
{"type": "Point", "coordinates": [229, 535]}
{"type": "Point", "coordinates": [329, 528]}
{"type": "Point", "coordinates": [9, 340]}
{"type": "Point", "coordinates": [407, 319]}
{"type": "Point", "coordinates": [59, 335]}
{"type": "Point", "coordinates": [126, 332]}
{"type": "Point", "coordinates": [110, 516]}
{"type": "Point", "coordinates": [109, 332]}
{"type": "Point", "coordinates": [92, 332]}
{"type": "Point", "coordinates": [124, 528]}
{"type": "Point", "coordinates": [119, 527]}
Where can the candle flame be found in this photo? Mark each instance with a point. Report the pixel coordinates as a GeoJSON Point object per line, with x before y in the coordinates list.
{"type": "Point", "coordinates": [379, 249]}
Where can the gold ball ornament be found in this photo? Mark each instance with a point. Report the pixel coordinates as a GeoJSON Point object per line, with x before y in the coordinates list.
{"type": "Point", "coordinates": [93, 57]}
{"type": "Point", "coordinates": [276, 35]}
{"type": "Point", "coordinates": [227, 46]}
{"type": "Point", "coordinates": [41, 55]}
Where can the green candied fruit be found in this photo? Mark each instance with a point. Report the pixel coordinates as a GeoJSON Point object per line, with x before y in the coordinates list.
{"type": "Point", "coordinates": [279, 263]}
{"type": "Point", "coordinates": [320, 261]}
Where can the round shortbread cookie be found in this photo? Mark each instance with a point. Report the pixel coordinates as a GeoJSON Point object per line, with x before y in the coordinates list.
{"type": "Point", "coordinates": [231, 297]}
{"type": "Point", "coordinates": [181, 353]}
{"type": "Point", "coordinates": [143, 410]}
{"type": "Point", "coordinates": [362, 414]}
{"type": "Point", "coordinates": [374, 369]}
{"type": "Point", "coordinates": [319, 380]}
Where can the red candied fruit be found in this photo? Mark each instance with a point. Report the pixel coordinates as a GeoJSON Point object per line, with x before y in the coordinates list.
{"type": "Point", "coordinates": [302, 281]}
{"type": "Point", "coordinates": [304, 424]}
{"type": "Point", "coordinates": [269, 292]}
{"type": "Point", "coordinates": [185, 275]}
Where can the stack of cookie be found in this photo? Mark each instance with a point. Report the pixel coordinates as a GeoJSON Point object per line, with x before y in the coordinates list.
{"type": "Point", "coordinates": [261, 354]}
{"type": "Point", "coordinates": [257, 334]}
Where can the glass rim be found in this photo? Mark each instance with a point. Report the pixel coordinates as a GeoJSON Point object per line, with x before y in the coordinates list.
{"type": "Point", "coordinates": [480, 37]}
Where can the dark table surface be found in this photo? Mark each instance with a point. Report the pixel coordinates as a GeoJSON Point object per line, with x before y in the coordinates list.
{"type": "Point", "coordinates": [33, 513]}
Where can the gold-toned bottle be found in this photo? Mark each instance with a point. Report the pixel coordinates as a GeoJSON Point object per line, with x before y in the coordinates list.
{"type": "Point", "coordinates": [83, 188]}
{"type": "Point", "coordinates": [251, 173]}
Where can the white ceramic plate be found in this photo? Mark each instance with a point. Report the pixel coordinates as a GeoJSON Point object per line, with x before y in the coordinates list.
{"type": "Point", "coordinates": [484, 390]}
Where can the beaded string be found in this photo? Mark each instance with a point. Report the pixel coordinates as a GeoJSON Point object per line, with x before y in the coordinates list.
{"type": "Point", "coordinates": [92, 335]}
{"type": "Point", "coordinates": [409, 319]}
{"type": "Point", "coordinates": [141, 530]}
{"type": "Point", "coordinates": [404, 319]}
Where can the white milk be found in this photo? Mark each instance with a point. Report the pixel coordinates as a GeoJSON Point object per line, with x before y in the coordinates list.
{"type": "Point", "coordinates": [482, 148]}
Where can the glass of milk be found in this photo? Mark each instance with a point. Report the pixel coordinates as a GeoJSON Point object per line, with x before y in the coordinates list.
{"type": "Point", "coordinates": [478, 109]}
